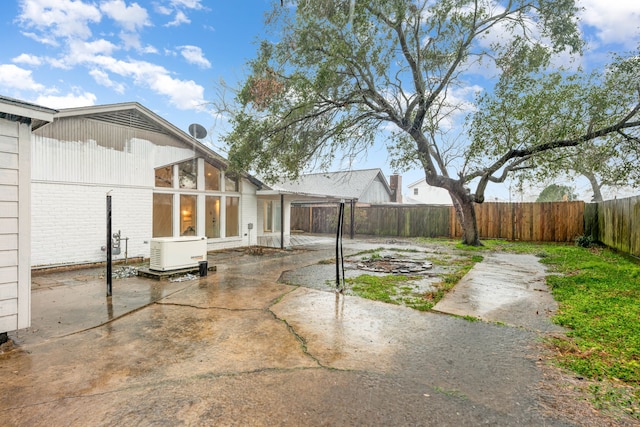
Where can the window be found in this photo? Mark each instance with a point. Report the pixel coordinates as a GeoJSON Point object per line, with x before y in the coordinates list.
{"type": "Point", "coordinates": [164, 177]}
{"type": "Point", "coordinates": [415, 191]}
{"type": "Point", "coordinates": [211, 177]}
{"type": "Point", "coordinates": [277, 216]}
{"type": "Point", "coordinates": [272, 216]}
{"type": "Point", "coordinates": [188, 211]}
{"type": "Point", "coordinates": [230, 184]}
{"type": "Point", "coordinates": [188, 174]}
{"type": "Point", "coordinates": [232, 216]}
{"type": "Point", "coordinates": [268, 216]}
{"type": "Point", "coordinates": [162, 215]}
{"type": "Point", "coordinates": [212, 217]}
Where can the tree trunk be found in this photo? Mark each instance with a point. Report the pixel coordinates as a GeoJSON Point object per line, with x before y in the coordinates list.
{"type": "Point", "coordinates": [595, 186]}
{"type": "Point", "coordinates": [466, 214]}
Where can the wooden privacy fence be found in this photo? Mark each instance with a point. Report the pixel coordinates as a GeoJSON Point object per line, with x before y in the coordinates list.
{"type": "Point", "coordinates": [616, 223]}
{"type": "Point", "coordinates": [549, 222]}
{"type": "Point", "coordinates": [529, 222]}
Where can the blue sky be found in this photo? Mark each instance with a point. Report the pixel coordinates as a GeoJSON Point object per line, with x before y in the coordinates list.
{"type": "Point", "coordinates": [168, 55]}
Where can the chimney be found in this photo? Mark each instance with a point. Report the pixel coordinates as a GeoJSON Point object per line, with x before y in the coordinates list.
{"type": "Point", "coordinates": [395, 183]}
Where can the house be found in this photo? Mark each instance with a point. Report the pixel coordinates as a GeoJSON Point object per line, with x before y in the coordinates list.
{"type": "Point", "coordinates": [17, 120]}
{"type": "Point", "coordinates": [422, 193]}
{"type": "Point", "coordinates": [162, 183]}
{"type": "Point", "coordinates": [366, 186]}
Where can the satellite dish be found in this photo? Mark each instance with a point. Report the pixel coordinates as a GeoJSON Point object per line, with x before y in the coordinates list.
{"type": "Point", "coordinates": [197, 131]}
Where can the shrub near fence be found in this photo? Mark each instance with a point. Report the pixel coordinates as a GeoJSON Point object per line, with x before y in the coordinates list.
{"type": "Point", "coordinates": [551, 222]}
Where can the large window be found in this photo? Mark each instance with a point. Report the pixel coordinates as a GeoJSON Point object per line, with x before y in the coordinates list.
{"type": "Point", "coordinates": [164, 176]}
{"type": "Point", "coordinates": [188, 174]}
{"type": "Point", "coordinates": [268, 216]}
{"type": "Point", "coordinates": [198, 188]}
{"type": "Point", "coordinates": [162, 215]}
{"type": "Point", "coordinates": [232, 216]}
{"type": "Point", "coordinates": [211, 177]}
{"type": "Point", "coordinates": [188, 210]}
{"type": "Point", "coordinates": [212, 217]}
{"type": "Point", "coordinates": [277, 216]}
{"type": "Point", "coordinates": [272, 216]}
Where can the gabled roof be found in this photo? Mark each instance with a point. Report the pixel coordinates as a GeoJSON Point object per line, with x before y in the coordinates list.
{"type": "Point", "coordinates": [418, 182]}
{"type": "Point", "coordinates": [346, 184]}
{"type": "Point", "coordinates": [135, 115]}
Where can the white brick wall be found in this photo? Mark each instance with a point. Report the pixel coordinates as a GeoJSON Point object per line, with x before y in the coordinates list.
{"type": "Point", "coordinates": [70, 181]}
{"type": "Point", "coordinates": [69, 222]}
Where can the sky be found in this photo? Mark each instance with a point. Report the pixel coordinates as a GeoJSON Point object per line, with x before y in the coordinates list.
{"type": "Point", "coordinates": [169, 55]}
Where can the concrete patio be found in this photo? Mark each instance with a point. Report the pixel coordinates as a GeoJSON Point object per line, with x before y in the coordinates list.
{"type": "Point", "coordinates": [238, 347]}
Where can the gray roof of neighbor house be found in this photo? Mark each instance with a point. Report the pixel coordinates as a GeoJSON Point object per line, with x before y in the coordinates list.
{"type": "Point", "coordinates": [22, 111]}
{"type": "Point", "coordinates": [350, 185]}
{"type": "Point", "coordinates": [135, 115]}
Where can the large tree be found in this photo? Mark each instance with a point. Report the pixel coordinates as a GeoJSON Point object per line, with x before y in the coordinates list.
{"type": "Point", "coordinates": [338, 74]}
{"type": "Point", "coordinates": [591, 121]}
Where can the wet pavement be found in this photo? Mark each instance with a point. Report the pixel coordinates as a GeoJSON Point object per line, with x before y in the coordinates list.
{"type": "Point", "coordinates": [505, 288]}
{"type": "Point", "coordinates": [239, 347]}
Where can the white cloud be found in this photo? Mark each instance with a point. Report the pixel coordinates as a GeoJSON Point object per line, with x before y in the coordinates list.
{"type": "Point", "coordinates": [131, 18]}
{"type": "Point", "coordinates": [27, 59]}
{"type": "Point", "coordinates": [149, 49]}
{"type": "Point", "coordinates": [70, 100]}
{"type": "Point", "coordinates": [87, 43]}
{"type": "Point", "coordinates": [184, 94]}
{"type": "Point", "coordinates": [614, 21]}
{"type": "Point", "coordinates": [81, 52]}
{"type": "Point", "coordinates": [194, 55]}
{"type": "Point", "coordinates": [131, 40]}
{"type": "Point", "coordinates": [180, 19]}
{"type": "Point", "coordinates": [40, 38]}
{"type": "Point", "coordinates": [14, 77]}
{"type": "Point", "coordinates": [163, 10]}
{"type": "Point", "coordinates": [81, 49]}
{"type": "Point", "coordinates": [60, 18]}
{"type": "Point", "coordinates": [103, 79]}
{"type": "Point", "coordinates": [188, 4]}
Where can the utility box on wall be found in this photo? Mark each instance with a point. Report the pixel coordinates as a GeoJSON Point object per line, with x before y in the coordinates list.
{"type": "Point", "coordinates": [173, 253]}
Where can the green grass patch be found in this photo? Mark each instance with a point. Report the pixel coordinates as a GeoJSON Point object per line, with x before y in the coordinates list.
{"type": "Point", "coordinates": [598, 292]}
{"type": "Point", "coordinates": [599, 296]}
{"type": "Point", "coordinates": [391, 289]}
{"type": "Point", "coordinates": [377, 288]}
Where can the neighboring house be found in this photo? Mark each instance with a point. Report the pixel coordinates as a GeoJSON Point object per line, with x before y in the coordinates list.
{"type": "Point", "coordinates": [367, 186]}
{"type": "Point", "coordinates": [422, 193]}
{"type": "Point", "coordinates": [162, 181]}
{"type": "Point", "coordinates": [17, 120]}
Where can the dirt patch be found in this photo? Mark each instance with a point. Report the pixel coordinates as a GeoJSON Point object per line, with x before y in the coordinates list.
{"type": "Point", "coordinates": [564, 395]}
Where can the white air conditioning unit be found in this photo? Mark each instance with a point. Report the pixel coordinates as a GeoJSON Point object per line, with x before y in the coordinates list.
{"type": "Point", "coordinates": [173, 253]}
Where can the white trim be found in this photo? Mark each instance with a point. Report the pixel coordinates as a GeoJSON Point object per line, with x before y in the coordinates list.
{"type": "Point", "coordinates": [24, 226]}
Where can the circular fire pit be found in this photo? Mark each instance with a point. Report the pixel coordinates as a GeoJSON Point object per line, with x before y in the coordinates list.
{"type": "Point", "coordinates": [392, 265]}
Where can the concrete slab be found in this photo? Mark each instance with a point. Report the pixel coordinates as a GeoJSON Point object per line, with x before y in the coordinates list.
{"type": "Point", "coordinates": [504, 288]}
{"type": "Point", "coordinates": [239, 348]}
